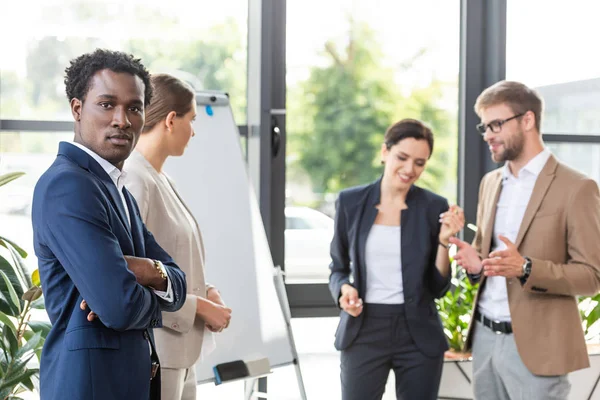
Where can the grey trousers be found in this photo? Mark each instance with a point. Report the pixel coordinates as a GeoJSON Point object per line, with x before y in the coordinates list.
{"type": "Point", "coordinates": [384, 344]}
{"type": "Point", "coordinates": [499, 372]}
{"type": "Point", "coordinates": [178, 384]}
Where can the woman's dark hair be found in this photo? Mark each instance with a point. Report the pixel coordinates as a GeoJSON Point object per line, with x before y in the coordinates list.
{"type": "Point", "coordinates": [79, 74]}
{"type": "Point", "coordinates": [170, 94]}
{"type": "Point", "coordinates": [408, 128]}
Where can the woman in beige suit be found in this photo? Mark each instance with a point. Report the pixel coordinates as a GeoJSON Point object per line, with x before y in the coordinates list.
{"type": "Point", "coordinates": [166, 133]}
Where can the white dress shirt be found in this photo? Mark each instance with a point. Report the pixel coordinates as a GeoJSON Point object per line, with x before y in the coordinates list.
{"type": "Point", "coordinates": [118, 178]}
{"type": "Point", "coordinates": [513, 201]}
{"type": "Point", "coordinates": [384, 265]}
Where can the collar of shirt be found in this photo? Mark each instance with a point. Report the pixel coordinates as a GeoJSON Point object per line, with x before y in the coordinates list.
{"type": "Point", "coordinates": [532, 168]}
{"type": "Point", "coordinates": [116, 175]}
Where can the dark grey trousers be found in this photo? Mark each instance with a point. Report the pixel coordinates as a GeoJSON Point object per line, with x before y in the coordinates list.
{"type": "Point", "coordinates": [383, 344]}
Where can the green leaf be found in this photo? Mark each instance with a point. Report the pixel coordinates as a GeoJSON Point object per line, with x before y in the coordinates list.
{"type": "Point", "coordinates": [40, 326]}
{"type": "Point", "coordinates": [21, 252]}
{"type": "Point", "coordinates": [11, 176]}
{"type": "Point", "coordinates": [12, 341]}
{"type": "Point", "coordinates": [21, 269]}
{"type": "Point", "coordinates": [11, 291]}
{"type": "Point", "coordinates": [17, 378]}
{"type": "Point", "coordinates": [28, 383]}
{"type": "Point", "coordinates": [11, 272]}
{"type": "Point", "coordinates": [18, 367]}
{"type": "Point", "coordinates": [5, 305]}
{"type": "Point", "coordinates": [31, 345]}
{"type": "Point", "coordinates": [7, 322]}
{"type": "Point", "coordinates": [4, 393]}
{"type": "Point", "coordinates": [3, 364]}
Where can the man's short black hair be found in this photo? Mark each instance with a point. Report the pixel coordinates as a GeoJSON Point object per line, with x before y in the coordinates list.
{"type": "Point", "coordinates": [82, 68]}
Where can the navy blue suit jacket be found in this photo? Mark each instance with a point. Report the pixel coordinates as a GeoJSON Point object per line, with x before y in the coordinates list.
{"type": "Point", "coordinates": [422, 282]}
{"type": "Point", "coordinates": [80, 237]}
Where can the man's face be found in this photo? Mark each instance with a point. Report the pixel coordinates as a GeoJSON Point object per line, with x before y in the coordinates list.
{"type": "Point", "coordinates": [506, 145]}
{"type": "Point", "coordinates": [111, 118]}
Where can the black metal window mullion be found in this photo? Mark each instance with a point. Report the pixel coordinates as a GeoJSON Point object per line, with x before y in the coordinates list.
{"type": "Point", "coordinates": [24, 125]}
{"type": "Point", "coordinates": [568, 138]}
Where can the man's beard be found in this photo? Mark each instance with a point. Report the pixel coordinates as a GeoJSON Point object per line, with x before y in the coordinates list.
{"type": "Point", "coordinates": [512, 152]}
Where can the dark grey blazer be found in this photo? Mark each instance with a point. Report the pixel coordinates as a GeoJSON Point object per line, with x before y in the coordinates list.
{"type": "Point", "coordinates": [422, 282]}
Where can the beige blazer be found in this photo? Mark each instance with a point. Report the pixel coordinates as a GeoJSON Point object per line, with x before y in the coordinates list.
{"type": "Point", "coordinates": [560, 233]}
{"type": "Point", "coordinates": [167, 217]}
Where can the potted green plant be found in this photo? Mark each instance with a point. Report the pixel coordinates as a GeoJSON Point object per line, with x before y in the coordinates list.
{"type": "Point", "coordinates": [455, 311]}
{"type": "Point", "coordinates": [22, 339]}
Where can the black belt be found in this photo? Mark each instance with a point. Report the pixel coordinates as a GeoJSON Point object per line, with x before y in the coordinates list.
{"type": "Point", "coordinates": [154, 366]}
{"type": "Point", "coordinates": [497, 326]}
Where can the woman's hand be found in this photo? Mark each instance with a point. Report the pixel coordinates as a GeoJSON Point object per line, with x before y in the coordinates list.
{"type": "Point", "coordinates": [215, 316]}
{"type": "Point", "coordinates": [214, 296]}
{"type": "Point", "coordinates": [349, 300]}
{"type": "Point", "coordinates": [453, 222]}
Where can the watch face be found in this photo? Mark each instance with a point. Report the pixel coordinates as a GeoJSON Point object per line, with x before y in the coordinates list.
{"type": "Point", "coordinates": [526, 267]}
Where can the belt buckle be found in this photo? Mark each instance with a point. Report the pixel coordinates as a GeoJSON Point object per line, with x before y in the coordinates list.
{"type": "Point", "coordinates": [497, 332]}
{"type": "Point", "coordinates": [154, 369]}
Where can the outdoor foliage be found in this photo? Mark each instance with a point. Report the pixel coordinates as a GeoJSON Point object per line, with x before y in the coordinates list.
{"type": "Point", "coordinates": [22, 338]}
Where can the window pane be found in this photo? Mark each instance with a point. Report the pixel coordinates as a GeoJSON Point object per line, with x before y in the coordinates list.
{"type": "Point", "coordinates": [208, 49]}
{"type": "Point", "coordinates": [347, 82]}
{"type": "Point", "coordinates": [560, 62]}
{"type": "Point", "coordinates": [584, 157]}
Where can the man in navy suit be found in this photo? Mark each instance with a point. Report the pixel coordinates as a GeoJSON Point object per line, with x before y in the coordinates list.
{"type": "Point", "coordinates": [93, 249]}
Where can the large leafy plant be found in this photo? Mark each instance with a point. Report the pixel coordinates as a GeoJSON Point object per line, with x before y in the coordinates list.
{"type": "Point", "coordinates": [22, 339]}
{"type": "Point", "coordinates": [455, 308]}
{"type": "Point", "coordinates": [589, 307]}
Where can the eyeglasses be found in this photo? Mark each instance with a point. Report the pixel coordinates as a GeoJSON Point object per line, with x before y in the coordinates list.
{"type": "Point", "coordinates": [496, 125]}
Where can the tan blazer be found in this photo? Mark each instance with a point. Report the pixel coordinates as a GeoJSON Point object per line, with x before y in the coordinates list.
{"type": "Point", "coordinates": [560, 233]}
{"type": "Point", "coordinates": [179, 342]}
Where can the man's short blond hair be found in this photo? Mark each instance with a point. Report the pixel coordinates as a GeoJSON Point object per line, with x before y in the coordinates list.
{"type": "Point", "coordinates": [515, 95]}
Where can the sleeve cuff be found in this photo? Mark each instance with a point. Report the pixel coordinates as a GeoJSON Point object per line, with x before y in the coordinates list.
{"type": "Point", "coordinates": [168, 295]}
{"type": "Point", "coordinates": [182, 320]}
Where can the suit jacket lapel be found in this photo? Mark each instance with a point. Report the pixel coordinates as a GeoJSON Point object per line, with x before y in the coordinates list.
{"type": "Point", "coordinates": [117, 202]}
{"type": "Point", "coordinates": [136, 225]}
{"type": "Point", "coordinates": [409, 228]}
{"type": "Point", "coordinates": [82, 159]}
{"type": "Point", "coordinates": [539, 192]}
{"type": "Point", "coordinates": [486, 240]}
{"type": "Point", "coordinates": [367, 216]}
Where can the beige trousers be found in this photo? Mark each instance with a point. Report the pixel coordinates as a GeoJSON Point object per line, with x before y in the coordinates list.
{"type": "Point", "coordinates": [178, 384]}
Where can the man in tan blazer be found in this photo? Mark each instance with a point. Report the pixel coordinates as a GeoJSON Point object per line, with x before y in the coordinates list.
{"type": "Point", "coordinates": [535, 251]}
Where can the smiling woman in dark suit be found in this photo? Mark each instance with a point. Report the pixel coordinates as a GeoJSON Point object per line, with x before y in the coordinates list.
{"type": "Point", "coordinates": [389, 262]}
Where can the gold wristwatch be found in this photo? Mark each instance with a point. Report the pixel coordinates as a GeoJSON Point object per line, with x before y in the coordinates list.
{"type": "Point", "coordinates": [160, 268]}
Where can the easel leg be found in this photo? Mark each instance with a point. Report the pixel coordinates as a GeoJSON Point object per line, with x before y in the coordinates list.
{"type": "Point", "coordinates": [299, 377]}
{"type": "Point", "coordinates": [249, 388]}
